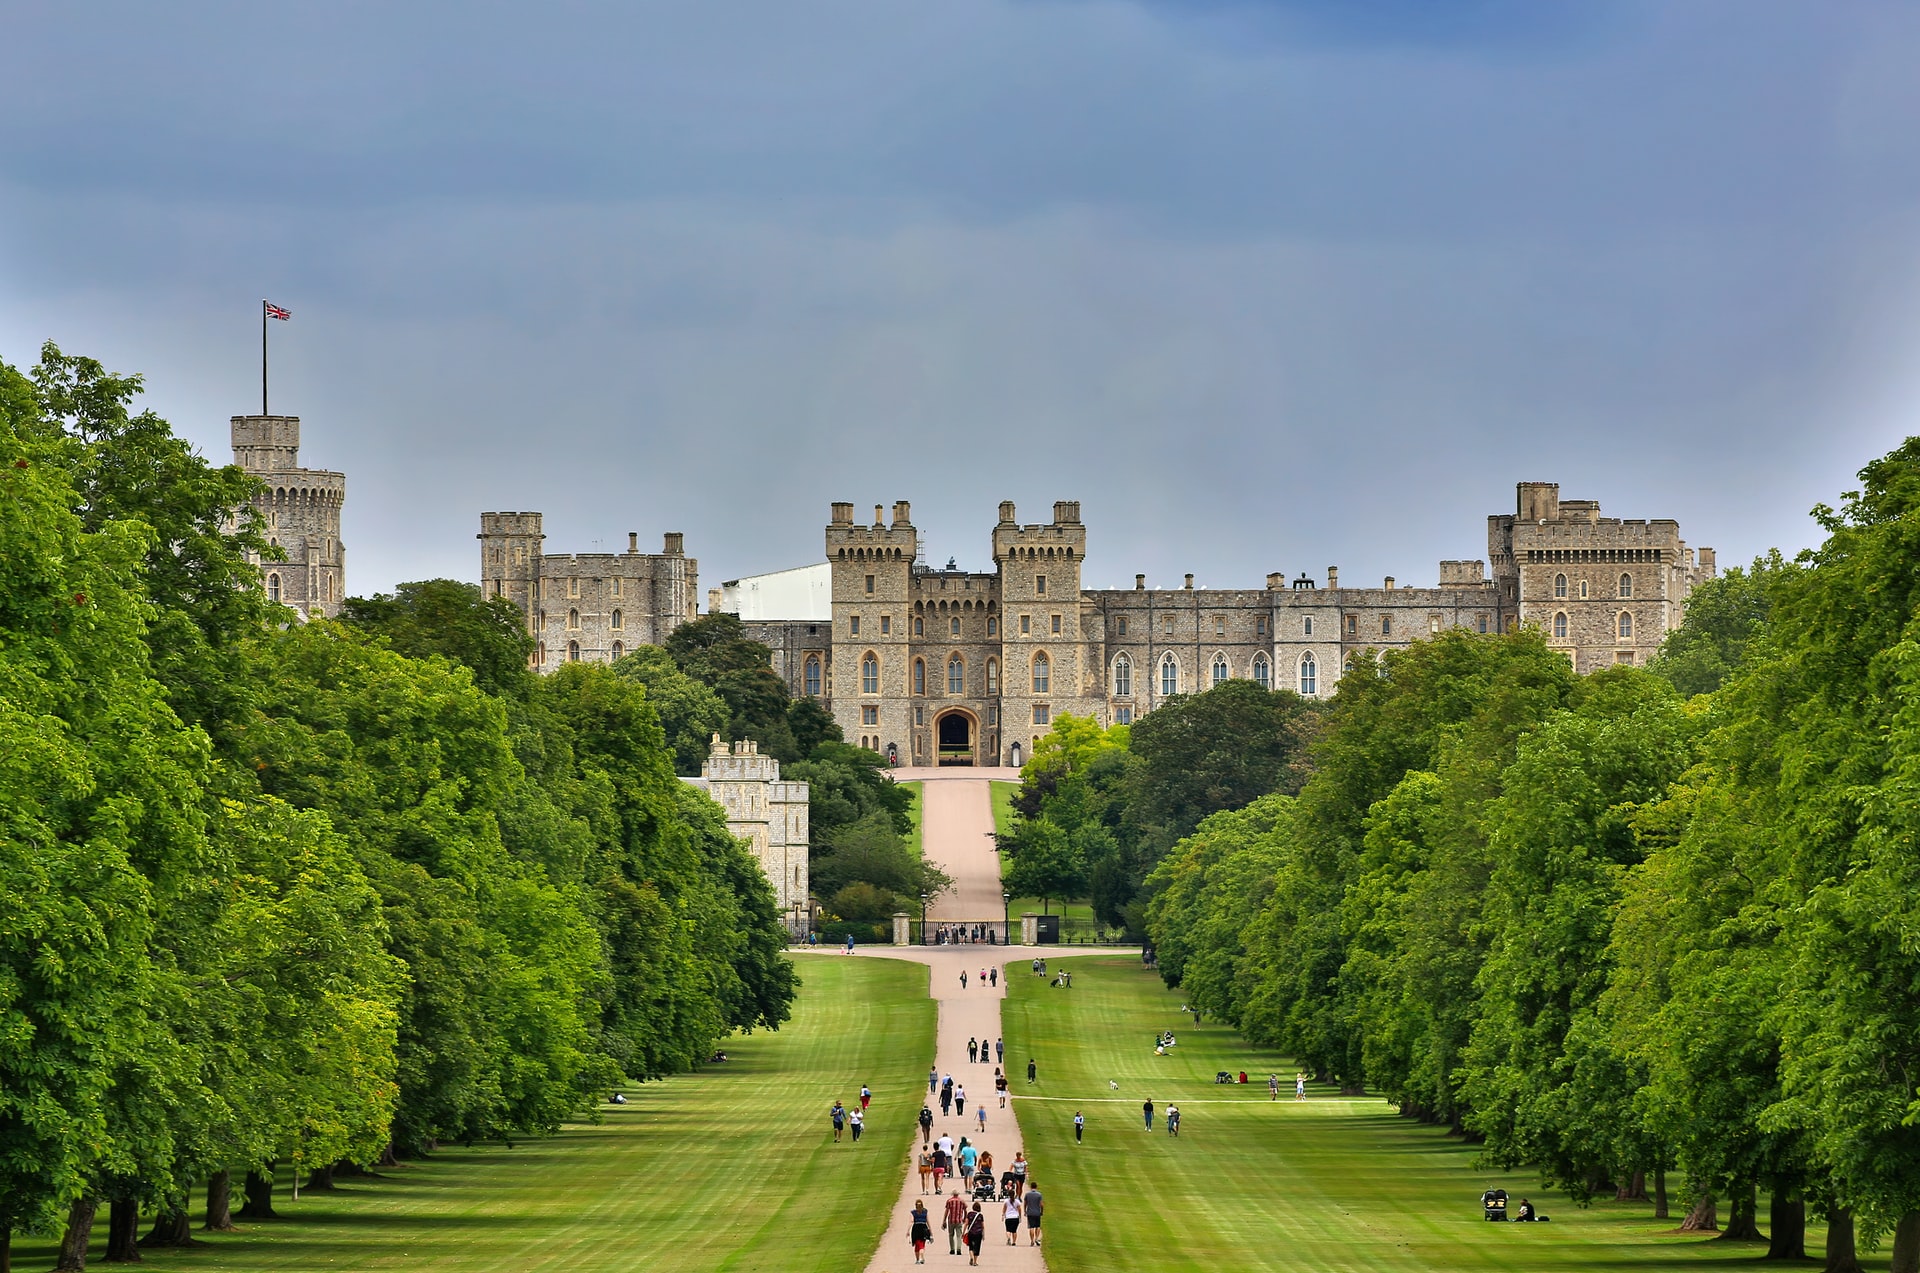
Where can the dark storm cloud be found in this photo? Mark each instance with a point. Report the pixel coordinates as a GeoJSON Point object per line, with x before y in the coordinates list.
{"type": "Point", "coordinates": [1265, 285]}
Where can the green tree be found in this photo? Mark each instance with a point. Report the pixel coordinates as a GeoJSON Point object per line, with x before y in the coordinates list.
{"type": "Point", "coordinates": [715, 650]}
{"type": "Point", "coordinates": [690, 712]}
{"type": "Point", "coordinates": [486, 635]}
{"type": "Point", "coordinates": [1723, 616]}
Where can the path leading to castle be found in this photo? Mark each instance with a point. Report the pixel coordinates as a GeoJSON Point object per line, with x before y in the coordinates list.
{"type": "Point", "coordinates": [957, 822]}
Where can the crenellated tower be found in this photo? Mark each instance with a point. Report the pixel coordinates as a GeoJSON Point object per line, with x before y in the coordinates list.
{"type": "Point", "coordinates": [873, 570]}
{"type": "Point", "coordinates": [1045, 654]}
{"type": "Point", "coordinates": [299, 510]}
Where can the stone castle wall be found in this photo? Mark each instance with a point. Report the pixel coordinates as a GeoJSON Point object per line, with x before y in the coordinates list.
{"type": "Point", "coordinates": [300, 513]}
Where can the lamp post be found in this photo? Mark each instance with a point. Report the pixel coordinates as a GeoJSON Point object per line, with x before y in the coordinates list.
{"type": "Point", "coordinates": [923, 919]}
{"type": "Point", "coordinates": [1006, 916]}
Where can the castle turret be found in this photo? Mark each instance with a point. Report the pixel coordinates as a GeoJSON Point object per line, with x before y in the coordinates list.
{"type": "Point", "coordinates": [1045, 657]}
{"type": "Point", "coordinates": [872, 607]}
{"type": "Point", "coordinates": [300, 514]}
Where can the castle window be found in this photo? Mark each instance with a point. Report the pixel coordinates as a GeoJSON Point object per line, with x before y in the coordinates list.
{"type": "Point", "coordinates": [1353, 625]}
{"type": "Point", "coordinates": [1560, 626]}
{"type": "Point", "coordinates": [573, 586]}
{"type": "Point", "coordinates": [1433, 624]}
{"type": "Point", "coordinates": [1386, 625]}
{"type": "Point", "coordinates": [543, 654]}
{"type": "Point", "coordinates": [993, 715]}
{"type": "Point", "coordinates": [1123, 625]}
{"type": "Point", "coordinates": [869, 585]}
{"type": "Point", "coordinates": [1559, 586]}
{"type": "Point", "coordinates": [1262, 674]}
{"type": "Point", "coordinates": [1042, 673]}
{"type": "Point", "coordinates": [329, 587]}
{"type": "Point", "coordinates": [1219, 626]}
{"type": "Point", "coordinates": [953, 626]}
{"type": "Point", "coordinates": [1626, 586]}
{"type": "Point", "coordinates": [919, 626]}
{"type": "Point", "coordinates": [1039, 716]}
{"type": "Point", "coordinates": [993, 626]}
{"type": "Point", "coordinates": [1166, 625]}
{"type": "Point", "coordinates": [1039, 585]}
{"type": "Point", "coordinates": [1123, 677]}
{"type": "Point", "coordinates": [919, 676]}
{"type": "Point", "coordinates": [573, 620]}
{"type": "Point", "coordinates": [1123, 715]}
{"type": "Point", "coordinates": [1306, 626]}
{"type": "Point", "coordinates": [273, 587]}
{"type": "Point", "coordinates": [870, 675]}
{"type": "Point", "coordinates": [573, 651]}
{"type": "Point", "coordinates": [1309, 675]}
{"type": "Point", "coordinates": [1480, 624]}
{"type": "Point", "coordinates": [1056, 625]}
{"type": "Point", "coordinates": [1626, 626]}
{"type": "Point", "coordinates": [853, 625]}
{"type": "Point", "coordinates": [1623, 656]}
{"type": "Point", "coordinates": [1583, 590]}
{"type": "Point", "coordinates": [869, 716]}
{"type": "Point", "coordinates": [813, 678]}
{"type": "Point", "coordinates": [1260, 626]}
{"type": "Point", "coordinates": [1026, 624]}
{"type": "Point", "coordinates": [993, 676]}
{"type": "Point", "coordinates": [1169, 676]}
{"type": "Point", "coordinates": [1220, 672]}
{"type": "Point", "coordinates": [619, 649]}
{"type": "Point", "coordinates": [886, 624]}
{"type": "Point", "coordinates": [919, 717]}
{"type": "Point", "coordinates": [618, 621]}
{"type": "Point", "coordinates": [616, 586]}
{"type": "Point", "coordinates": [956, 675]}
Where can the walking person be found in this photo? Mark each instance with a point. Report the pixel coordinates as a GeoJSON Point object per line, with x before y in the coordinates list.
{"type": "Point", "coordinates": [1036, 1207]}
{"type": "Point", "coordinates": [1079, 1126]}
{"type": "Point", "coordinates": [1173, 1121]}
{"type": "Point", "coordinates": [866, 1095]}
{"type": "Point", "coordinates": [963, 978]}
{"type": "Point", "coordinates": [839, 1116]}
{"type": "Point", "coordinates": [968, 1157]}
{"type": "Point", "coordinates": [956, 1223]}
{"type": "Point", "coordinates": [1010, 1212]}
{"type": "Point", "coordinates": [926, 1169]}
{"type": "Point", "coordinates": [858, 1120]}
{"type": "Point", "coordinates": [960, 1100]}
{"type": "Point", "coordinates": [981, 1111]}
{"type": "Point", "coordinates": [1000, 1086]}
{"type": "Point", "coordinates": [973, 1046]}
{"type": "Point", "coordinates": [993, 975]}
{"type": "Point", "coordinates": [933, 1079]}
{"type": "Point", "coordinates": [1146, 1108]}
{"type": "Point", "coordinates": [1000, 1051]}
{"type": "Point", "coordinates": [1273, 1087]}
{"type": "Point", "coordinates": [946, 1099]}
{"type": "Point", "coordinates": [976, 1233]}
{"type": "Point", "coordinates": [1030, 1069]}
{"type": "Point", "coordinates": [1300, 1087]}
{"type": "Point", "coordinates": [941, 1165]}
{"type": "Point", "coordinates": [921, 1233]}
{"type": "Point", "coordinates": [926, 1124]}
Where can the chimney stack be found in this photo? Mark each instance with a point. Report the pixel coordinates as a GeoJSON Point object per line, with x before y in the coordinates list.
{"type": "Point", "coordinates": [633, 541]}
{"type": "Point", "coordinates": [1389, 583]}
{"type": "Point", "coordinates": [1066, 512]}
{"type": "Point", "coordinates": [675, 543]}
{"type": "Point", "coordinates": [1006, 512]}
{"type": "Point", "coordinates": [902, 513]}
{"type": "Point", "coordinates": [879, 516]}
{"type": "Point", "coordinates": [1139, 583]}
{"type": "Point", "coordinates": [1276, 580]}
{"type": "Point", "coordinates": [1189, 583]}
{"type": "Point", "coordinates": [1333, 576]}
{"type": "Point", "coordinates": [842, 513]}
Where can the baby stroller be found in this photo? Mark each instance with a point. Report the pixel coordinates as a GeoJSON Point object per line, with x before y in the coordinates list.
{"type": "Point", "coordinates": [983, 1186]}
{"type": "Point", "coordinates": [1009, 1184]}
{"type": "Point", "coordinates": [1494, 1203]}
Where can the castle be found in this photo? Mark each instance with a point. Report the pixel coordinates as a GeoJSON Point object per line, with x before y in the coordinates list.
{"type": "Point", "coordinates": [766, 812]}
{"type": "Point", "coordinates": [590, 607]}
{"type": "Point", "coordinates": [945, 666]}
{"type": "Point", "coordinates": [300, 512]}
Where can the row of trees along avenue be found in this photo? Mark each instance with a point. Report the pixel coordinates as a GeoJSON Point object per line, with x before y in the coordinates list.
{"type": "Point", "coordinates": [298, 897]}
{"type": "Point", "coordinates": [1653, 931]}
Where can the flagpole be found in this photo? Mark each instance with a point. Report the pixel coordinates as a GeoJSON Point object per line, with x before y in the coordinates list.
{"type": "Point", "coordinates": [263, 357]}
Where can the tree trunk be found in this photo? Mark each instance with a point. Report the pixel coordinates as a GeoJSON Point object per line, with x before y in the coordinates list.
{"type": "Point", "coordinates": [1742, 1225]}
{"type": "Point", "coordinates": [123, 1231]}
{"type": "Point", "coordinates": [172, 1227]}
{"type": "Point", "coordinates": [1906, 1244]}
{"type": "Point", "coordinates": [1704, 1218]}
{"type": "Point", "coordinates": [320, 1178]}
{"type": "Point", "coordinates": [259, 1194]}
{"type": "Point", "coordinates": [1634, 1189]}
{"type": "Point", "coordinates": [6, 1250]}
{"type": "Point", "coordinates": [1841, 1256]}
{"type": "Point", "coordinates": [73, 1243]}
{"type": "Point", "coordinates": [1787, 1225]}
{"type": "Point", "coordinates": [1660, 1194]}
{"type": "Point", "coordinates": [220, 1201]}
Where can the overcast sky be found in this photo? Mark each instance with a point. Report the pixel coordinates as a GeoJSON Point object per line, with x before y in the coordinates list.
{"type": "Point", "coordinates": [1265, 284]}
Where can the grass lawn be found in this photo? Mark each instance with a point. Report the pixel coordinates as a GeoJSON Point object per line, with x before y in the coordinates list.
{"type": "Point", "coordinates": [916, 812]}
{"type": "Point", "coordinates": [1002, 795]}
{"type": "Point", "coordinates": [683, 1178]}
{"type": "Point", "coordinates": [1329, 1184]}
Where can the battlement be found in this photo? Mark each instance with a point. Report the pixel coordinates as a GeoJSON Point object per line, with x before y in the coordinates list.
{"type": "Point", "coordinates": [898, 541]}
{"type": "Point", "coordinates": [266, 443]}
{"type": "Point", "coordinates": [510, 524]}
{"type": "Point", "coordinates": [1065, 536]}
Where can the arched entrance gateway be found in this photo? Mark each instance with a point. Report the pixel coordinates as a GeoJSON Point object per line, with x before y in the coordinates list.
{"type": "Point", "coordinates": [953, 738]}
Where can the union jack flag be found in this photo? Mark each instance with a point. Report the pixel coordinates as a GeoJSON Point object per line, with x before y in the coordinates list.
{"type": "Point", "coordinates": [274, 311]}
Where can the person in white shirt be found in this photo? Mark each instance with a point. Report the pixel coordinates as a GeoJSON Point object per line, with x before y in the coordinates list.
{"type": "Point", "coordinates": [858, 1120]}
{"type": "Point", "coordinates": [1011, 1213]}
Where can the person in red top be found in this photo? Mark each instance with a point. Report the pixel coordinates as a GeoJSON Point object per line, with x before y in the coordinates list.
{"type": "Point", "coordinates": [956, 1223]}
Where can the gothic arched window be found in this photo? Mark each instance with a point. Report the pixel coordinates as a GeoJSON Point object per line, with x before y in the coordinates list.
{"type": "Point", "coordinates": [1220, 672]}
{"type": "Point", "coordinates": [1309, 675]}
{"type": "Point", "coordinates": [870, 675]}
{"type": "Point", "coordinates": [273, 587]}
{"type": "Point", "coordinates": [993, 676]}
{"type": "Point", "coordinates": [1262, 674]}
{"type": "Point", "coordinates": [618, 621]}
{"type": "Point", "coordinates": [1626, 625]}
{"type": "Point", "coordinates": [1626, 586]}
{"type": "Point", "coordinates": [956, 674]}
{"type": "Point", "coordinates": [1169, 676]}
{"type": "Point", "coordinates": [573, 651]}
{"type": "Point", "coordinates": [813, 678]}
{"type": "Point", "coordinates": [1123, 677]}
{"type": "Point", "coordinates": [1559, 586]}
{"type": "Point", "coordinates": [1560, 626]}
{"type": "Point", "coordinates": [919, 676]}
{"type": "Point", "coordinates": [619, 649]}
{"type": "Point", "coordinates": [1042, 673]}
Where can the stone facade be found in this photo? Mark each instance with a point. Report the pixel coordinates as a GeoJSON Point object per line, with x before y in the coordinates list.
{"type": "Point", "coordinates": [769, 814]}
{"type": "Point", "coordinates": [590, 607]}
{"type": "Point", "coordinates": [300, 513]}
{"type": "Point", "coordinates": [933, 666]}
